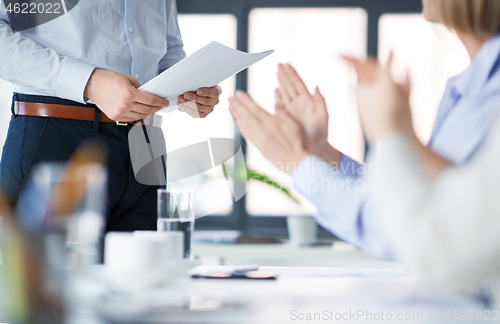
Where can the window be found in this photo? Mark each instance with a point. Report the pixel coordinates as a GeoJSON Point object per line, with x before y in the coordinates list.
{"type": "Point", "coordinates": [310, 39]}
{"type": "Point", "coordinates": [182, 130]}
{"type": "Point", "coordinates": [197, 31]}
{"type": "Point", "coordinates": [431, 53]}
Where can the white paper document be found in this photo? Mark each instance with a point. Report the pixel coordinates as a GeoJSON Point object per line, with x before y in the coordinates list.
{"type": "Point", "coordinates": [207, 67]}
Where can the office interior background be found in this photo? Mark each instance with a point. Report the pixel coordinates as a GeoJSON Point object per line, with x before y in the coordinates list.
{"type": "Point", "coordinates": [310, 34]}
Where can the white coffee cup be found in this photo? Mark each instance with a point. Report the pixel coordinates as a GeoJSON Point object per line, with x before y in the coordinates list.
{"type": "Point", "coordinates": [302, 230]}
{"type": "Point", "coordinates": [125, 252]}
{"type": "Point", "coordinates": [172, 243]}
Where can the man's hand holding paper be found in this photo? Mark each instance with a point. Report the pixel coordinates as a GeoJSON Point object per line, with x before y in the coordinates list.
{"type": "Point", "coordinates": [200, 103]}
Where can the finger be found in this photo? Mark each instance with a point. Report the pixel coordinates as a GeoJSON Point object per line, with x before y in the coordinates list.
{"type": "Point", "coordinates": [234, 109]}
{"type": "Point", "coordinates": [245, 121]}
{"type": "Point", "coordinates": [390, 60]}
{"type": "Point", "coordinates": [213, 92]}
{"type": "Point", "coordinates": [250, 128]}
{"type": "Point", "coordinates": [365, 71]}
{"type": "Point", "coordinates": [245, 100]}
{"type": "Point", "coordinates": [407, 84]}
{"type": "Point", "coordinates": [319, 101]}
{"type": "Point", "coordinates": [355, 63]}
{"type": "Point", "coordinates": [132, 116]}
{"type": "Point", "coordinates": [188, 96]}
{"type": "Point", "coordinates": [351, 60]}
{"type": "Point", "coordinates": [286, 85]}
{"type": "Point", "coordinates": [241, 112]}
{"type": "Point", "coordinates": [279, 102]}
{"type": "Point", "coordinates": [277, 96]}
{"type": "Point", "coordinates": [193, 106]}
{"type": "Point", "coordinates": [150, 99]}
{"type": "Point", "coordinates": [143, 109]}
{"type": "Point", "coordinates": [296, 80]}
{"type": "Point", "coordinates": [207, 101]}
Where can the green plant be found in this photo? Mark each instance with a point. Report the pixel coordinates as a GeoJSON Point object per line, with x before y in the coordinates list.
{"type": "Point", "coordinates": [243, 173]}
{"type": "Point", "coordinates": [175, 213]}
{"type": "Point", "coordinates": [254, 175]}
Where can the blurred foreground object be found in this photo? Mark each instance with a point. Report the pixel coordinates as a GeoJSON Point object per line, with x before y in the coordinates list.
{"type": "Point", "coordinates": [22, 298]}
{"type": "Point", "coordinates": [59, 233]}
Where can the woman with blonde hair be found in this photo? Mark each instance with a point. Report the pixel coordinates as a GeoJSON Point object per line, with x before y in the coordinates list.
{"type": "Point", "coordinates": [298, 132]}
{"type": "Point", "coordinates": [444, 219]}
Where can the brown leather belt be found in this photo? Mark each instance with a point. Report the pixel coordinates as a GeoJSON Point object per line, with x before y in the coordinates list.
{"type": "Point", "coordinates": [69, 112]}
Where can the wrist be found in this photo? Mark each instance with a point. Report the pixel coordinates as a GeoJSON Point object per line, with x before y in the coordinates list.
{"type": "Point", "coordinates": [296, 160]}
{"type": "Point", "coordinates": [91, 84]}
{"type": "Point", "coordinates": [328, 153]}
{"type": "Point", "coordinates": [385, 127]}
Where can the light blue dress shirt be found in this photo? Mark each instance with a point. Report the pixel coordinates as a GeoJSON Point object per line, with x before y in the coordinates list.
{"type": "Point", "coordinates": [465, 116]}
{"type": "Point", "coordinates": [140, 38]}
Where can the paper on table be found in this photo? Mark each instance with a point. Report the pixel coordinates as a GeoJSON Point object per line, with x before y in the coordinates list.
{"type": "Point", "coordinates": [206, 67]}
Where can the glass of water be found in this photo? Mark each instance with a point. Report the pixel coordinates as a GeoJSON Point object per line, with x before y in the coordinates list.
{"type": "Point", "coordinates": [176, 214]}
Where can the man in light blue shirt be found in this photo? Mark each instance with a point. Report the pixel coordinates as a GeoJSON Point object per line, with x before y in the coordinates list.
{"type": "Point", "coordinates": [76, 77]}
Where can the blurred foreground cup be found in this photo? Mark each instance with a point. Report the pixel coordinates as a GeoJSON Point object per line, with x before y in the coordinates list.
{"type": "Point", "coordinates": [125, 252]}
{"type": "Point", "coordinates": [172, 243]}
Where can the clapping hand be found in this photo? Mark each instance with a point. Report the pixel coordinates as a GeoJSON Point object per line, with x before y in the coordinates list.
{"type": "Point", "coordinates": [280, 138]}
{"type": "Point", "coordinates": [383, 104]}
{"type": "Point", "coordinates": [308, 109]}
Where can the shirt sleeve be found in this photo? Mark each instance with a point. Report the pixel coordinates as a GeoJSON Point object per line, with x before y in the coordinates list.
{"type": "Point", "coordinates": [338, 193]}
{"type": "Point", "coordinates": [445, 230]}
{"type": "Point", "coordinates": [26, 63]}
{"type": "Point", "coordinates": [175, 47]}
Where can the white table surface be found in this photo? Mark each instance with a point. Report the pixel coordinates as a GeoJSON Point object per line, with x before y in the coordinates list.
{"type": "Point", "coordinates": [340, 255]}
{"type": "Point", "coordinates": [344, 290]}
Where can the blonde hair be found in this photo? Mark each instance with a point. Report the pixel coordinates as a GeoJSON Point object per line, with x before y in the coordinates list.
{"type": "Point", "coordinates": [480, 17]}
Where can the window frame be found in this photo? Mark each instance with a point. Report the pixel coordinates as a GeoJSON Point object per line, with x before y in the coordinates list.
{"type": "Point", "coordinates": [239, 219]}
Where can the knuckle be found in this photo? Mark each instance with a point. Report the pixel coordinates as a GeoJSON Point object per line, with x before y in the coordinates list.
{"type": "Point", "coordinates": [121, 109]}
{"type": "Point", "coordinates": [128, 94]}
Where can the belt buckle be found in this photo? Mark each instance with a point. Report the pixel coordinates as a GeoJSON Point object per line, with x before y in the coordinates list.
{"type": "Point", "coordinates": [121, 124]}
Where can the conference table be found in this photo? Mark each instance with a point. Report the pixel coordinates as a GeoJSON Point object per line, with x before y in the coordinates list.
{"type": "Point", "coordinates": [314, 285]}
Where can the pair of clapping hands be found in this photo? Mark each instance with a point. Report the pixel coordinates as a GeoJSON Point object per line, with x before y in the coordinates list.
{"type": "Point", "coordinates": [300, 125]}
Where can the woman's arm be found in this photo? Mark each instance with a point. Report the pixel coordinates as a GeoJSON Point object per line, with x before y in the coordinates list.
{"type": "Point", "coordinates": [434, 163]}
{"type": "Point", "coordinates": [445, 229]}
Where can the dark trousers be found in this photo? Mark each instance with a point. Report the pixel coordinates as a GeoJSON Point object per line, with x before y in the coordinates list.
{"type": "Point", "coordinates": [32, 140]}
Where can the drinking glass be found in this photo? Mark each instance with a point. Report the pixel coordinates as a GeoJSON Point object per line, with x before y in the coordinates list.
{"type": "Point", "coordinates": [176, 214]}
